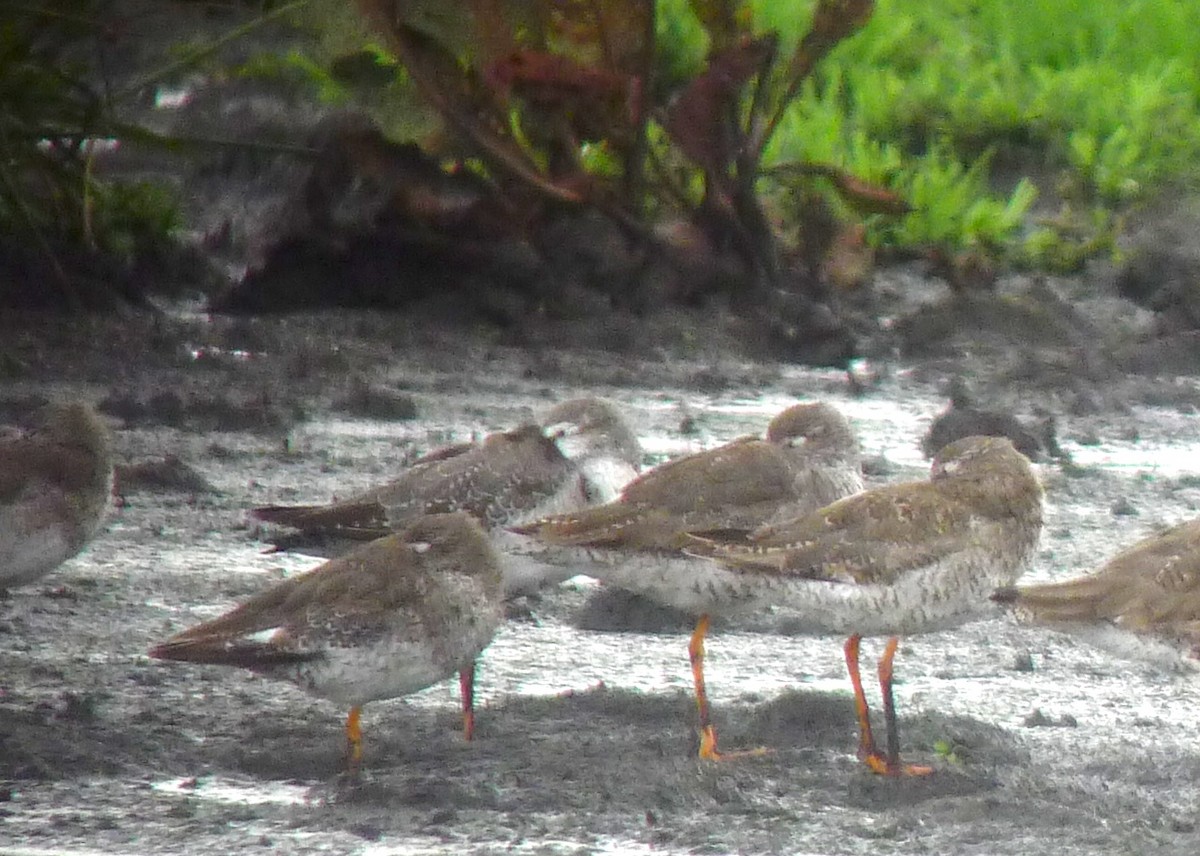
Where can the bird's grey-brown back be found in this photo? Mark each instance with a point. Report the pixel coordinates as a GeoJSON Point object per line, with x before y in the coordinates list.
{"type": "Point", "coordinates": [1144, 603]}
{"type": "Point", "coordinates": [737, 485]}
{"type": "Point", "coordinates": [581, 448]}
{"type": "Point", "coordinates": [495, 481]}
{"type": "Point", "coordinates": [906, 557]}
{"type": "Point", "coordinates": [503, 479]}
{"type": "Point", "coordinates": [635, 542]}
{"type": "Point", "coordinates": [55, 487]}
{"type": "Point", "coordinates": [510, 476]}
{"type": "Point", "coordinates": [982, 494]}
{"type": "Point", "coordinates": [438, 575]}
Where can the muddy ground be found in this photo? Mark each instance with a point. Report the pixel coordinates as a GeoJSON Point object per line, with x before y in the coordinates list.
{"type": "Point", "coordinates": [585, 739]}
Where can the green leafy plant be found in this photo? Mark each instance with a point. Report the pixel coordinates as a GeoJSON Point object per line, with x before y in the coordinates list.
{"type": "Point", "coordinates": [620, 104]}
{"type": "Point", "coordinates": [946, 750]}
{"type": "Point", "coordinates": [48, 114]}
{"type": "Point", "coordinates": [54, 116]}
{"type": "Point", "coordinates": [1098, 100]}
{"type": "Point", "coordinates": [57, 108]}
{"type": "Point", "coordinates": [1064, 244]}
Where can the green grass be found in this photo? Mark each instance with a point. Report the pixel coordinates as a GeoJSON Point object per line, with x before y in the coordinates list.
{"type": "Point", "coordinates": [1098, 101]}
{"type": "Point", "coordinates": [1105, 91]}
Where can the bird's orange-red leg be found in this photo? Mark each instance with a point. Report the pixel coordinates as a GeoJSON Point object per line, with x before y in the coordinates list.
{"type": "Point", "coordinates": [354, 739]}
{"type": "Point", "coordinates": [867, 753]}
{"type": "Point", "coordinates": [466, 685]}
{"type": "Point", "coordinates": [892, 765]}
{"type": "Point", "coordinates": [708, 732]}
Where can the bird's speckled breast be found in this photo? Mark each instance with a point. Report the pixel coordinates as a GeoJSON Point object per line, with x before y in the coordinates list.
{"type": "Point", "coordinates": [695, 585]}
{"type": "Point", "coordinates": [354, 671]}
{"type": "Point", "coordinates": [937, 596]}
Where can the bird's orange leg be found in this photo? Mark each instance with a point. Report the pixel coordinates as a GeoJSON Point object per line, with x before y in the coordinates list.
{"type": "Point", "coordinates": [867, 753]}
{"type": "Point", "coordinates": [891, 764]}
{"type": "Point", "coordinates": [354, 739]}
{"type": "Point", "coordinates": [708, 732]}
{"type": "Point", "coordinates": [466, 685]}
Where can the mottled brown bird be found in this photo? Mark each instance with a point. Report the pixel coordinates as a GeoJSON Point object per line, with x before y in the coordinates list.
{"type": "Point", "coordinates": [809, 458]}
{"type": "Point", "coordinates": [1143, 604]}
{"type": "Point", "coordinates": [899, 559]}
{"type": "Point", "coordinates": [392, 617]}
{"type": "Point", "coordinates": [55, 488]}
{"type": "Point", "coordinates": [582, 453]}
{"type": "Point", "coordinates": [508, 472]}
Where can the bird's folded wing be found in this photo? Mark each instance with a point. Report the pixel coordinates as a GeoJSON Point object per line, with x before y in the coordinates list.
{"type": "Point", "coordinates": [372, 577]}
{"type": "Point", "coordinates": [437, 482]}
{"type": "Point", "coordinates": [296, 620]}
{"type": "Point", "coordinates": [600, 526]}
{"type": "Point", "coordinates": [269, 648]}
{"type": "Point", "coordinates": [873, 537]}
{"type": "Point", "coordinates": [743, 472]}
{"type": "Point", "coordinates": [738, 484]}
{"type": "Point", "coordinates": [326, 542]}
{"type": "Point", "coordinates": [444, 453]}
{"type": "Point", "coordinates": [327, 518]}
{"type": "Point", "coordinates": [515, 469]}
{"type": "Point", "coordinates": [26, 461]}
{"type": "Point", "coordinates": [1152, 583]}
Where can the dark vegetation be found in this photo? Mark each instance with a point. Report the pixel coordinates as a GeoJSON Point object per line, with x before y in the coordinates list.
{"type": "Point", "coordinates": [504, 162]}
{"type": "Point", "coordinates": [571, 160]}
{"type": "Point", "coordinates": [581, 177]}
{"type": "Point", "coordinates": [66, 239]}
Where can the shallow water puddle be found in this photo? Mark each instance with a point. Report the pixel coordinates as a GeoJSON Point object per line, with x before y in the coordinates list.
{"type": "Point", "coordinates": [230, 791]}
{"type": "Point", "coordinates": [885, 427]}
{"type": "Point", "coordinates": [555, 845]}
{"type": "Point", "coordinates": [52, 851]}
{"type": "Point", "coordinates": [1173, 460]}
{"type": "Point", "coordinates": [554, 659]}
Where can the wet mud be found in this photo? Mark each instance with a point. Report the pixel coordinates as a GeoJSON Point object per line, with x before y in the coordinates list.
{"type": "Point", "coordinates": [585, 739]}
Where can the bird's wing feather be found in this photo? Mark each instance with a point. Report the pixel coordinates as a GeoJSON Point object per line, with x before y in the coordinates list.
{"type": "Point", "coordinates": [478, 480]}
{"type": "Point", "coordinates": [361, 590]}
{"type": "Point", "coordinates": [27, 463]}
{"type": "Point", "coordinates": [696, 492]}
{"type": "Point", "coordinates": [461, 478]}
{"type": "Point", "coordinates": [871, 537]}
{"type": "Point", "coordinates": [1151, 584]}
{"type": "Point", "coordinates": [600, 526]}
{"type": "Point", "coordinates": [743, 472]}
{"type": "Point", "coordinates": [317, 518]}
